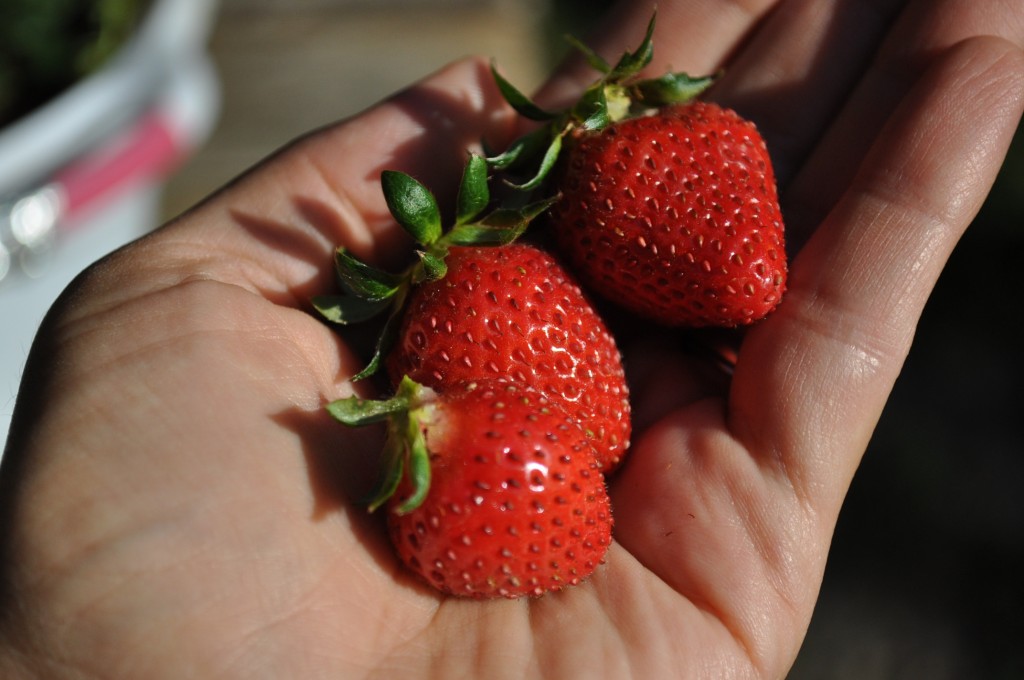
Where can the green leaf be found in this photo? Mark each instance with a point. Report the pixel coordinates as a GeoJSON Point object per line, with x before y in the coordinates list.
{"type": "Point", "coordinates": [671, 88]}
{"type": "Point", "coordinates": [474, 194]}
{"type": "Point", "coordinates": [533, 210]}
{"type": "Point", "coordinates": [547, 163]}
{"type": "Point", "coordinates": [593, 58]}
{"type": "Point", "coordinates": [592, 109]}
{"type": "Point", "coordinates": [632, 63]}
{"type": "Point", "coordinates": [385, 341]}
{"type": "Point", "coordinates": [521, 151]}
{"type": "Point", "coordinates": [418, 468]}
{"type": "Point", "coordinates": [392, 468]}
{"type": "Point", "coordinates": [484, 235]}
{"type": "Point", "coordinates": [520, 102]}
{"type": "Point", "coordinates": [510, 155]}
{"type": "Point", "coordinates": [501, 227]}
{"type": "Point", "coordinates": [432, 266]}
{"type": "Point", "coordinates": [357, 412]}
{"type": "Point", "coordinates": [407, 448]}
{"type": "Point", "coordinates": [347, 309]}
{"type": "Point", "coordinates": [362, 280]}
{"type": "Point", "coordinates": [371, 368]}
{"type": "Point", "coordinates": [412, 205]}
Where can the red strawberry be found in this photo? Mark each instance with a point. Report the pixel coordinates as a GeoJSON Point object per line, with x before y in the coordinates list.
{"type": "Point", "coordinates": [668, 206]}
{"type": "Point", "coordinates": [494, 490]}
{"type": "Point", "coordinates": [511, 312]}
{"type": "Point", "coordinates": [517, 505]}
{"type": "Point", "coordinates": [676, 216]}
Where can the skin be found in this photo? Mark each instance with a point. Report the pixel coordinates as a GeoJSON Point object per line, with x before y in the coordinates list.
{"type": "Point", "coordinates": [175, 503]}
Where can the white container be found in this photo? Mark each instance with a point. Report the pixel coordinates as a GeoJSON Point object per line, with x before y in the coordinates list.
{"type": "Point", "coordinates": [82, 175]}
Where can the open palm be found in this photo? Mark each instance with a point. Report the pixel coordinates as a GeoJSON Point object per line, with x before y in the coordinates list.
{"type": "Point", "coordinates": [174, 502]}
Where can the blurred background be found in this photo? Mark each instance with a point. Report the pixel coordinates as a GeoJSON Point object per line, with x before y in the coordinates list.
{"type": "Point", "coordinates": [925, 576]}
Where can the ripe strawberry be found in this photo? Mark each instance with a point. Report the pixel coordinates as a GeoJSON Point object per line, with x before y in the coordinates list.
{"type": "Point", "coordinates": [517, 504]}
{"type": "Point", "coordinates": [676, 215]}
{"type": "Point", "coordinates": [512, 312]}
{"type": "Point", "coordinates": [366, 291]}
{"type": "Point", "coordinates": [668, 206]}
{"type": "Point", "coordinates": [495, 486]}
{"type": "Point", "coordinates": [513, 502]}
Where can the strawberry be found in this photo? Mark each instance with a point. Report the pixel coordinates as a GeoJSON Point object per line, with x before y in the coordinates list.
{"type": "Point", "coordinates": [476, 305]}
{"type": "Point", "coordinates": [367, 291]}
{"type": "Point", "coordinates": [494, 490]}
{"type": "Point", "coordinates": [512, 312]}
{"type": "Point", "coordinates": [667, 204]}
{"type": "Point", "coordinates": [676, 214]}
{"type": "Point", "coordinates": [493, 468]}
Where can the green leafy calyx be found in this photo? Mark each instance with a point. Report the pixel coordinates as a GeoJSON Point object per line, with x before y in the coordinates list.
{"type": "Point", "coordinates": [408, 414]}
{"type": "Point", "coordinates": [366, 291]}
{"type": "Point", "coordinates": [618, 93]}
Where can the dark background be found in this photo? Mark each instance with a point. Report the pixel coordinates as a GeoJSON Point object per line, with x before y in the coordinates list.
{"type": "Point", "coordinates": [924, 577]}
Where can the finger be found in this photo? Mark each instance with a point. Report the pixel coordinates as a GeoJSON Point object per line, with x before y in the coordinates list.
{"type": "Point", "coordinates": [695, 36]}
{"type": "Point", "coordinates": [926, 28]}
{"type": "Point", "coordinates": [827, 360]}
{"type": "Point", "coordinates": [795, 73]}
{"type": "Point", "coordinates": [274, 229]}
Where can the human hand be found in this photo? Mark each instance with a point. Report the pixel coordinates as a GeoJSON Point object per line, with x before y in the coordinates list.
{"type": "Point", "coordinates": [176, 502]}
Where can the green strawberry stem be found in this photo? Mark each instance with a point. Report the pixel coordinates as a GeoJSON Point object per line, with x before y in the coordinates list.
{"type": "Point", "coordinates": [407, 415]}
{"type": "Point", "coordinates": [618, 93]}
{"type": "Point", "coordinates": [367, 291]}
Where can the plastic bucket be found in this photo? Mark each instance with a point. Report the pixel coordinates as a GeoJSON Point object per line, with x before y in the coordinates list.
{"type": "Point", "coordinates": [82, 175]}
